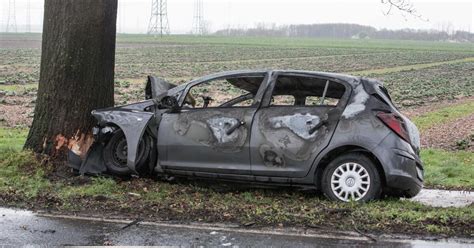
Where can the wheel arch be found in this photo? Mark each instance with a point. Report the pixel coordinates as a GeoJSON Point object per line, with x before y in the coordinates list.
{"type": "Point", "coordinates": [332, 154]}
{"type": "Point", "coordinates": [132, 123]}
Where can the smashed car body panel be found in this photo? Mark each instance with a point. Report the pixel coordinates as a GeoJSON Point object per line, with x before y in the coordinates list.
{"type": "Point", "coordinates": [299, 124]}
{"type": "Point", "coordinates": [212, 129]}
{"type": "Point", "coordinates": [132, 122]}
{"type": "Point", "coordinates": [272, 126]}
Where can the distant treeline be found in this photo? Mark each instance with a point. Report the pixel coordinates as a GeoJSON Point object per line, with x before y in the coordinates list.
{"type": "Point", "coordinates": [341, 30]}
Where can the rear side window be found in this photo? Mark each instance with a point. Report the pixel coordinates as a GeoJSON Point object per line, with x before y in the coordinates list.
{"type": "Point", "coordinates": [306, 91]}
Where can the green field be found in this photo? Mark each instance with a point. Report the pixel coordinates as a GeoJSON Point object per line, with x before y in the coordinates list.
{"type": "Point", "coordinates": [179, 58]}
{"type": "Point", "coordinates": [416, 73]}
{"type": "Point", "coordinates": [434, 81]}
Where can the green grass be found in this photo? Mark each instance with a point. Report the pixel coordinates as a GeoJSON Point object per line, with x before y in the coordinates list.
{"type": "Point", "coordinates": [12, 138]}
{"type": "Point", "coordinates": [297, 42]}
{"type": "Point", "coordinates": [99, 186]}
{"type": "Point", "coordinates": [23, 182]}
{"type": "Point", "coordinates": [21, 174]}
{"type": "Point", "coordinates": [275, 41]}
{"type": "Point", "coordinates": [18, 88]}
{"type": "Point", "coordinates": [409, 67]}
{"type": "Point", "coordinates": [443, 115]}
{"type": "Point", "coordinates": [448, 169]}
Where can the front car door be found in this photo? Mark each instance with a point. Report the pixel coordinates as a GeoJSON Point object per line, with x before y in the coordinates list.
{"type": "Point", "coordinates": [297, 119]}
{"type": "Point", "coordinates": [212, 131]}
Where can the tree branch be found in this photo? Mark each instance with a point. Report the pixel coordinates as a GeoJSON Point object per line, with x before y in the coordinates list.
{"type": "Point", "coordinates": [403, 6]}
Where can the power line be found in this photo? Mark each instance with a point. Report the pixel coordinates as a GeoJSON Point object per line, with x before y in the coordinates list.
{"type": "Point", "coordinates": [159, 18]}
{"type": "Point", "coordinates": [198, 23]}
{"type": "Point", "coordinates": [11, 17]}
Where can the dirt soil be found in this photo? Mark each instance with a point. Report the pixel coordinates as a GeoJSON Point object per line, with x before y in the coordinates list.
{"type": "Point", "coordinates": [447, 135]}
{"type": "Point", "coordinates": [16, 111]}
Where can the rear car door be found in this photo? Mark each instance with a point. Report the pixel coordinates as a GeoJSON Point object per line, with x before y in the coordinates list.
{"type": "Point", "coordinates": [296, 121]}
{"type": "Point", "coordinates": [211, 133]}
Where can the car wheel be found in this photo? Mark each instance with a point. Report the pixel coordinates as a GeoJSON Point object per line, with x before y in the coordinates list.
{"type": "Point", "coordinates": [115, 153]}
{"type": "Point", "coordinates": [351, 177]}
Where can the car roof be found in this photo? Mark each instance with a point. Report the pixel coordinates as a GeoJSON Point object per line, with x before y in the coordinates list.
{"type": "Point", "coordinates": [340, 76]}
{"type": "Point", "coordinates": [352, 80]}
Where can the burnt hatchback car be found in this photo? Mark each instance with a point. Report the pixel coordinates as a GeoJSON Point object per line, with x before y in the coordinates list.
{"type": "Point", "coordinates": [338, 133]}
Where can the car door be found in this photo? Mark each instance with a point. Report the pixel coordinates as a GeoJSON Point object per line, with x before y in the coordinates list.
{"type": "Point", "coordinates": [211, 133]}
{"type": "Point", "coordinates": [298, 116]}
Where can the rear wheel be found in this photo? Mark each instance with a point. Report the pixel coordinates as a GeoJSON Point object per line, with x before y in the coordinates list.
{"type": "Point", "coordinates": [352, 176]}
{"type": "Point", "coordinates": [115, 153]}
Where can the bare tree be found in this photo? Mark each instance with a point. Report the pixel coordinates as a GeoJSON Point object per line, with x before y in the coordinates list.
{"type": "Point", "coordinates": [403, 6]}
{"type": "Point", "coordinates": [76, 74]}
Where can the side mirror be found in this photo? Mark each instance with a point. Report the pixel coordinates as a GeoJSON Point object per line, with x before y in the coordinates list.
{"type": "Point", "coordinates": [171, 103]}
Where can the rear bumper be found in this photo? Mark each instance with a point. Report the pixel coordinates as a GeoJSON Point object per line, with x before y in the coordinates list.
{"type": "Point", "coordinates": [403, 169]}
{"type": "Point", "coordinates": [405, 186]}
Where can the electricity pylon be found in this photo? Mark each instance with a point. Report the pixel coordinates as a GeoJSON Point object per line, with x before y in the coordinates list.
{"type": "Point", "coordinates": [198, 23]}
{"type": "Point", "coordinates": [11, 17]}
{"type": "Point", "coordinates": [159, 18]}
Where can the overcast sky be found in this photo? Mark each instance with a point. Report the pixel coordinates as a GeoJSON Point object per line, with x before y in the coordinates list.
{"type": "Point", "coordinates": [134, 14]}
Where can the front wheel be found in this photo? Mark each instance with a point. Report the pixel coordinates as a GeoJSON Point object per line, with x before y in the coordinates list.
{"type": "Point", "coordinates": [115, 153]}
{"type": "Point", "coordinates": [351, 177]}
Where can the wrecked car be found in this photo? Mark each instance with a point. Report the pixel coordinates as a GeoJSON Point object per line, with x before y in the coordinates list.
{"type": "Point", "coordinates": [337, 133]}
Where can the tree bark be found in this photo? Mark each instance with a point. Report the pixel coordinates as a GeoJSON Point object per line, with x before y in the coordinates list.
{"type": "Point", "coordinates": [76, 75]}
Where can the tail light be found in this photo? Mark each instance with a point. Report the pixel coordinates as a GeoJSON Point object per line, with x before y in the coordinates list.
{"type": "Point", "coordinates": [395, 123]}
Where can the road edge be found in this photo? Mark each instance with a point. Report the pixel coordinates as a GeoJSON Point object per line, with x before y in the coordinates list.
{"type": "Point", "coordinates": [308, 232]}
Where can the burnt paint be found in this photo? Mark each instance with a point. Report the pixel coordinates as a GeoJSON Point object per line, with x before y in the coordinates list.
{"type": "Point", "coordinates": [196, 139]}
{"type": "Point", "coordinates": [209, 126]}
{"type": "Point", "coordinates": [282, 144]}
{"type": "Point", "coordinates": [361, 130]}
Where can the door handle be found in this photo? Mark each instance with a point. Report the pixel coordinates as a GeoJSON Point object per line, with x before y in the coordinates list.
{"type": "Point", "coordinates": [234, 127]}
{"type": "Point", "coordinates": [319, 125]}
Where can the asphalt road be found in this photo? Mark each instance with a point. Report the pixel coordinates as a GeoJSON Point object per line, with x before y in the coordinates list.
{"type": "Point", "coordinates": [23, 228]}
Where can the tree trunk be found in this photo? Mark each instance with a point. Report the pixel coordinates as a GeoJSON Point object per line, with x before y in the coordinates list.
{"type": "Point", "coordinates": [76, 75]}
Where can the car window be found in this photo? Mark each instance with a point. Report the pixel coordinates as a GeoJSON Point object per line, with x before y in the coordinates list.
{"type": "Point", "coordinates": [318, 100]}
{"type": "Point", "coordinates": [306, 91]}
{"type": "Point", "coordinates": [224, 92]}
{"type": "Point", "coordinates": [283, 100]}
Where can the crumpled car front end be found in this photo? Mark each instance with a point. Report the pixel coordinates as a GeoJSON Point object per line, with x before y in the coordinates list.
{"type": "Point", "coordinates": [131, 129]}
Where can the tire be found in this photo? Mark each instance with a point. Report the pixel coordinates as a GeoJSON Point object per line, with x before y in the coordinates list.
{"type": "Point", "coordinates": [351, 177]}
{"type": "Point", "coordinates": [115, 154]}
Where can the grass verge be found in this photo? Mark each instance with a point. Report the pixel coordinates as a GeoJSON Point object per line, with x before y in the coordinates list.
{"type": "Point", "coordinates": [448, 169]}
{"type": "Point", "coordinates": [30, 184]}
{"type": "Point", "coordinates": [12, 138]}
{"type": "Point", "coordinates": [21, 174]}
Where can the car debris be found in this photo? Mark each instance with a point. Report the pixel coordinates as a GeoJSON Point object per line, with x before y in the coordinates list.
{"type": "Point", "coordinates": [337, 133]}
